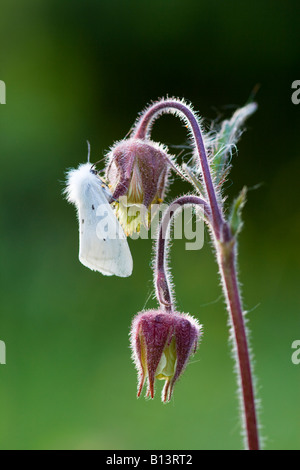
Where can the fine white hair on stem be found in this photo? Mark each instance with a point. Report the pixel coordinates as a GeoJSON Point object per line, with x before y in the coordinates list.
{"type": "Point", "coordinates": [162, 247]}
{"type": "Point", "coordinates": [175, 112]}
{"type": "Point", "coordinates": [167, 250]}
{"type": "Point", "coordinates": [166, 110]}
{"type": "Point", "coordinates": [234, 352]}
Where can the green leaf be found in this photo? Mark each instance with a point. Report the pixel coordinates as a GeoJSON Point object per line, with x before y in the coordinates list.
{"type": "Point", "coordinates": [223, 143]}
{"type": "Point", "coordinates": [235, 217]}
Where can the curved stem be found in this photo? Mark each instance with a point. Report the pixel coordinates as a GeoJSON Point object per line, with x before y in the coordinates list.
{"type": "Point", "coordinates": [163, 290]}
{"type": "Point", "coordinates": [142, 130]}
{"type": "Point", "coordinates": [226, 257]}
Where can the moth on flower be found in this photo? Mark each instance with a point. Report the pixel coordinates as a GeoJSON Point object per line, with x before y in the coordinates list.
{"type": "Point", "coordinates": [137, 171]}
{"type": "Point", "coordinates": [103, 245]}
{"type": "Point", "coordinates": [162, 344]}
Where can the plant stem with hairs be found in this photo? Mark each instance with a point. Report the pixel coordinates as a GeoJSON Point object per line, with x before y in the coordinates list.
{"type": "Point", "coordinates": [163, 291]}
{"type": "Point", "coordinates": [224, 235]}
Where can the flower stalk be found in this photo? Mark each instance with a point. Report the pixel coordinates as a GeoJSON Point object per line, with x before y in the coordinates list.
{"type": "Point", "coordinates": [227, 263]}
{"type": "Point", "coordinates": [163, 291]}
{"type": "Point", "coordinates": [226, 254]}
{"type": "Point", "coordinates": [142, 130]}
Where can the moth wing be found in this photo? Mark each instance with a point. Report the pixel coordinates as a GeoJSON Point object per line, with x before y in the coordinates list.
{"type": "Point", "coordinates": [103, 245]}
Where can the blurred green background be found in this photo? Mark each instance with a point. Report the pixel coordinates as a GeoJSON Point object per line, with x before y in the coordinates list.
{"type": "Point", "coordinates": [79, 70]}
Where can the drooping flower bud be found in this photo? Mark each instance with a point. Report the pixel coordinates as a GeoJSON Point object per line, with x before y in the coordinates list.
{"type": "Point", "coordinates": [137, 172]}
{"type": "Point", "coordinates": [162, 344]}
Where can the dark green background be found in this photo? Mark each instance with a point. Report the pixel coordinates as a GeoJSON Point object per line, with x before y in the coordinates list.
{"type": "Point", "coordinates": [78, 70]}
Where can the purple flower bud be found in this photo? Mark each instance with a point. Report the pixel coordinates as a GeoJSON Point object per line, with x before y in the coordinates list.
{"type": "Point", "coordinates": [162, 344]}
{"type": "Point", "coordinates": [137, 172]}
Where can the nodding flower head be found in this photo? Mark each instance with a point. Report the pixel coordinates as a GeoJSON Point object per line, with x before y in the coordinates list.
{"type": "Point", "coordinates": [162, 344]}
{"type": "Point", "coordinates": [137, 172]}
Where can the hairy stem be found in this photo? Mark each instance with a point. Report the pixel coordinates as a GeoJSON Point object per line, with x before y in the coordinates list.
{"type": "Point", "coordinates": [141, 131]}
{"type": "Point", "coordinates": [226, 257]}
{"type": "Point", "coordinates": [162, 284]}
{"type": "Point", "coordinates": [227, 260]}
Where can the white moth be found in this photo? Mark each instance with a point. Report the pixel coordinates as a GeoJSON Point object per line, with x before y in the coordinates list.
{"type": "Point", "coordinates": [103, 245]}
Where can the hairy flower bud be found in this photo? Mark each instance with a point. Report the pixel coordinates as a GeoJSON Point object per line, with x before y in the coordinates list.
{"type": "Point", "coordinates": [162, 344]}
{"type": "Point", "coordinates": [137, 172]}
